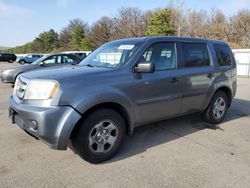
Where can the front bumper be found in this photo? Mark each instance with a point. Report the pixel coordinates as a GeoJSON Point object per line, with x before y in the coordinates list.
{"type": "Point", "coordinates": [53, 125]}
{"type": "Point", "coordinates": [7, 78]}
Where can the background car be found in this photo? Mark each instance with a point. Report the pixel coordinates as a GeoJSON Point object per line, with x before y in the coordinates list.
{"type": "Point", "coordinates": [30, 58]}
{"type": "Point", "coordinates": [7, 57]}
{"type": "Point", "coordinates": [9, 75]}
{"type": "Point", "coordinates": [83, 54]}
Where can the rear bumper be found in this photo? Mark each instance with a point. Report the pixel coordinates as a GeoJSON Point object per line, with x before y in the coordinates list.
{"type": "Point", "coordinates": [53, 125]}
{"type": "Point", "coordinates": [7, 78]}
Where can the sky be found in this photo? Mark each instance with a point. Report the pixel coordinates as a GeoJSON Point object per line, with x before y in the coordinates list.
{"type": "Point", "coordinates": [22, 21]}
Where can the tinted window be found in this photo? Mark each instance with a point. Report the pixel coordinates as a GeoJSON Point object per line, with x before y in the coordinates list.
{"type": "Point", "coordinates": [163, 55]}
{"type": "Point", "coordinates": [195, 55]}
{"type": "Point", "coordinates": [222, 54]}
{"type": "Point", "coordinates": [69, 59]}
{"type": "Point", "coordinates": [84, 55]}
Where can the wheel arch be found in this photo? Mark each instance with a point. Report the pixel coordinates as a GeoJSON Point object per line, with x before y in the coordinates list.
{"type": "Point", "coordinates": [109, 105]}
{"type": "Point", "coordinates": [226, 90]}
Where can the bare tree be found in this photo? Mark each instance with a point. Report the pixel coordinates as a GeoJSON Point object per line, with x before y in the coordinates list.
{"type": "Point", "coordinates": [196, 21]}
{"type": "Point", "coordinates": [102, 31]}
{"type": "Point", "coordinates": [216, 27]}
{"type": "Point", "coordinates": [130, 22]}
{"type": "Point", "coordinates": [240, 24]}
{"type": "Point", "coordinates": [179, 12]}
{"type": "Point", "coordinates": [64, 39]}
{"type": "Point", "coordinates": [133, 22]}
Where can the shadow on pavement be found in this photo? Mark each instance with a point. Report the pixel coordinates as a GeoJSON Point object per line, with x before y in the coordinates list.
{"type": "Point", "coordinates": [148, 136]}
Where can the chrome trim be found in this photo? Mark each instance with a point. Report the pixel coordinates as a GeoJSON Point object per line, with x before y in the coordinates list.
{"type": "Point", "coordinates": [20, 88]}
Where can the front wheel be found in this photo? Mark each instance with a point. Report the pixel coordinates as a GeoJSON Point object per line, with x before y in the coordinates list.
{"type": "Point", "coordinates": [11, 61]}
{"type": "Point", "coordinates": [218, 106]}
{"type": "Point", "coordinates": [99, 136]}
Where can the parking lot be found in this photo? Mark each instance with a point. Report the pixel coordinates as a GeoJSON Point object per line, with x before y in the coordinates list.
{"type": "Point", "coordinates": [182, 152]}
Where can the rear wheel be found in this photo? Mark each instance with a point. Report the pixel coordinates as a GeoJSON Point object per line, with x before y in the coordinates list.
{"type": "Point", "coordinates": [100, 136]}
{"type": "Point", "coordinates": [22, 62]}
{"type": "Point", "coordinates": [11, 61]}
{"type": "Point", "coordinates": [218, 106]}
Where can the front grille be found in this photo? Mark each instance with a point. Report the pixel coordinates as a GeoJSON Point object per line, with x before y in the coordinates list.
{"type": "Point", "coordinates": [20, 87]}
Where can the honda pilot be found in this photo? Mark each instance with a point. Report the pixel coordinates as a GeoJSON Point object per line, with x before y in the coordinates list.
{"type": "Point", "coordinates": [122, 85]}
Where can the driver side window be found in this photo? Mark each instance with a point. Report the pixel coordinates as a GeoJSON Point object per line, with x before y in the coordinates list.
{"type": "Point", "coordinates": [162, 55]}
{"type": "Point", "coordinates": [50, 60]}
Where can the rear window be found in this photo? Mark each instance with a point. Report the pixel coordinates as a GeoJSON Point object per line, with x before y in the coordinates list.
{"type": "Point", "coordinates": [84, 55]}
{"type": "Point", "coordinates": [223, 55]}
{"type": "Point", "coordinates": [195, 55]}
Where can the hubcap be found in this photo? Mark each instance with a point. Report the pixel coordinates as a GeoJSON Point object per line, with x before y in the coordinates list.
{"type": "Point", "coordinates": [103, 136]}
{"type": "Point", "coordinates": [219, 108]}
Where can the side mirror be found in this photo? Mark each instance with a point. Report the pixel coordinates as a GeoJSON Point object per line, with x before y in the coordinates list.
{"type": "Point", "coordinates": [144, 67]}
{"type": "Point", "coordinates": [41, 64]}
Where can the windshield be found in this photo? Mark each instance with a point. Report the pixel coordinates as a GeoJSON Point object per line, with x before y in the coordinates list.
{"type": "Point", "coordinates": [111, 55]}
{"type": "Point", "coordinates": [38, 61]}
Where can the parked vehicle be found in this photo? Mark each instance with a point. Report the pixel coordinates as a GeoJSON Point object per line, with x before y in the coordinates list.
{"type": "Point", "coordinates": [7, 57]}
{"type": "Point", "coordinates": [96, 104]}
{"type": "Point", "coordinates": [30, 58]}
{"type": "Point", "coordinates": [9, 75]}
{"type": "Point", "coordinates": [83, 54]}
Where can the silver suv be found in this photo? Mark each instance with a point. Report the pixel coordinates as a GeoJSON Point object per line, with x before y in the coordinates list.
{"type": "Point", "coordinates": [121, 85]}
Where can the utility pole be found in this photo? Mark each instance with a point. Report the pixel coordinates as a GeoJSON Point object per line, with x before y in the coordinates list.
{"type": "Point", "coordinates": [179, 26]}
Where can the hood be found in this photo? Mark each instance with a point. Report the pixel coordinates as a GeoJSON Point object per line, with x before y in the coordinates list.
{"type": "Point", "coordinates": [22, 68]}
{"type": "Point", "coordinates": [63, 72]}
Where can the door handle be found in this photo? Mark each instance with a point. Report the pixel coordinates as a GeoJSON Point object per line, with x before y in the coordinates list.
{"type": "Point", "coordinates": [210, 75]}
{"type": "Point", "coordinates": [174, 80]}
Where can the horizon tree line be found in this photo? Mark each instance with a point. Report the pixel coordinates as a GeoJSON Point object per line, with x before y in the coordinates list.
{"type": "Point", "coordinates": [133, 22]}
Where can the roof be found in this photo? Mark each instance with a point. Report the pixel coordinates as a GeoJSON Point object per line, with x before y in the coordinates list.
{"type": "Point", "coordinates": [67, 52]}
{"type": "Point", "coordinates": [169, 38]}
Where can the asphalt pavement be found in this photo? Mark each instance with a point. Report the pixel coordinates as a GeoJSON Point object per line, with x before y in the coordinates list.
{"type": "Point", "coordinates": [182, 152]}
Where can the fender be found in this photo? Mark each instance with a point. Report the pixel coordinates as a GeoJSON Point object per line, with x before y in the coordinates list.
{"type": "Point", "coordinates": [108, 95]}
{"type": "Point", "coordinates": [219, 82]}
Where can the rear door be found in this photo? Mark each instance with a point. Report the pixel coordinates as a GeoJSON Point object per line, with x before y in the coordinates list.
{"type": "Point", "coordinates": [158, 94]}
{"type": "Point", "coordinates": [198, 75]}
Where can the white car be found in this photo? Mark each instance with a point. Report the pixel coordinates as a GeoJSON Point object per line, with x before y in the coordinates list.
{"type": "Point", "coordinates": [83, 54]}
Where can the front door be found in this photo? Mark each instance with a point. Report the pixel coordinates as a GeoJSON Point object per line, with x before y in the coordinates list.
{"type": "Point", "coordinates": [158, 94]}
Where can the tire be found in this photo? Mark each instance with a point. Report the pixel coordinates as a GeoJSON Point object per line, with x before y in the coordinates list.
{"type": "Point", "coordinates": [217, 108]}
{"type": "Point", "coordinates": [22, 62]}
{"type": "Point", "coordinates": [91, 141]}
{"type": "Point", "coordinates": [11, 61]}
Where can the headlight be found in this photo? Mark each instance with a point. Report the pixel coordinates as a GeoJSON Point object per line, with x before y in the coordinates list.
{"type": "Point", "coordinates": [41, 89]}
{"type": "Point", "coordinates": [8, 71]}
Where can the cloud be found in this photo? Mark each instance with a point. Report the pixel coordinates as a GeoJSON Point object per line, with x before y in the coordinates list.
{"type": "Point", "coordinates": [64, 3]}
{"type": "Point", "coordinates": [8, 10]}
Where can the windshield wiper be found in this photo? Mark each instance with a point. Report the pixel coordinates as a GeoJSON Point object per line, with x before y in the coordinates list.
{"type": "Point", "coordinates": [89, 65]}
